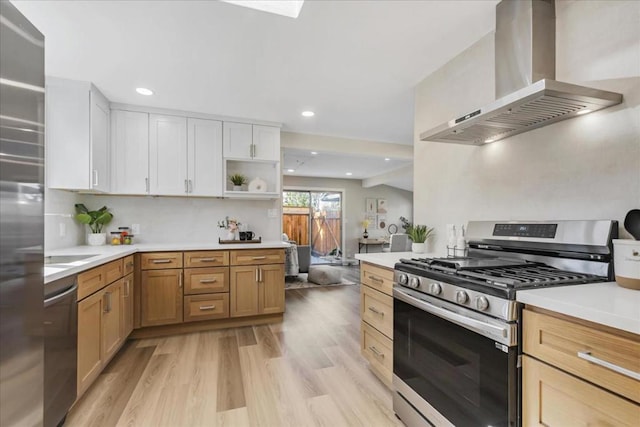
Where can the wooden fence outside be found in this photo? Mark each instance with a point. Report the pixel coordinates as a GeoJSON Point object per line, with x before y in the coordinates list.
{"type": "Point", "coordinates": [326, 232]}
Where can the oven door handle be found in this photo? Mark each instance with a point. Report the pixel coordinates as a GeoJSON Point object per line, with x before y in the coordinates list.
{"type": "Point", "coordinates": [500, 334]}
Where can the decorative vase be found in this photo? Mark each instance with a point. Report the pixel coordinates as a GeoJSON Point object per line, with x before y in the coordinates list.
{"type": "Point", "coordinates": [257, 186]}
{"type": "Point", "coordinates": [96, 239]}
{"type": "Point", "coordinates": [417, 248]}
{"type": "Point", "coordinates": [237, 188]}
{"type": "Point", "coordinates": [365, 234]}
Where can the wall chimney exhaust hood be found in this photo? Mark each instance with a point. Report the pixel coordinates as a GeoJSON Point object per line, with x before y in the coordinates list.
{"type": "Point", "coordinates": [525, 52]}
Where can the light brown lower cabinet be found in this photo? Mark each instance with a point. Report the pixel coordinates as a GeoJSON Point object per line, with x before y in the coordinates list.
{"type": "Point", "coordinates": [206, 307]}
{"type": "Point", "coordinates": [113, 309]}
{"type": "Point", "coordinates": [127, 304]}
{"type": "Point", "coordinates": [161, 297]}
{"type": "Point", "coordinates": [553, 398]}
{"type": "Point", "coordinates": [256, 290]}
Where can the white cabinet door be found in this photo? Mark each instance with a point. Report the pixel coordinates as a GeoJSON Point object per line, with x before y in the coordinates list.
{"type": "Point", "coordinates": [238, 140]}
{"type": "Point", "coordinates": [168, 155]}
{"type": "Point", "coordinates": [129, 152]}
{"type": "Point", "coordinates": [204, 148]}
{"type": "Point", "coordinates": [266, 142]}
{"type": "Point", "coordinates": [77, 147]}
{"type": "Point", "coordinates": [99, 142]}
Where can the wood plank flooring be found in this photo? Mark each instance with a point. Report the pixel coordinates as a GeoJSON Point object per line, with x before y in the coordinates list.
{"type": "Point", "coordinates": [304, 371]}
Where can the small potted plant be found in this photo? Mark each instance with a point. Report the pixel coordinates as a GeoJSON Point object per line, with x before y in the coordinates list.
{"type": "Point", "coordinates": [365, 225]}
{"type": "Point", "coordinates": [418, 235]}
{"type": "Point", "coordinates": [238, 180]}
{"type": "Point", "coordinates": [96, 220]}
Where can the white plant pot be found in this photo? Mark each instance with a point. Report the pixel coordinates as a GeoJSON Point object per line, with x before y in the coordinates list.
{"type": "Point", "coordinates": [96, 239]}
{"type": "Point", "coordinates": [237, 188]}
{"type": "Point", "coordinates": [417, 248]}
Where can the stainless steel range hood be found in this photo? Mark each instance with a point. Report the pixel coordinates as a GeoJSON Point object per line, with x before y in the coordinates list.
{"type": "Point", "coordinates": [525, 52]}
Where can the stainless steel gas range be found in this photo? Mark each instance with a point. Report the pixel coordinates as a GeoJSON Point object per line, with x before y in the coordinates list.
{"type": "Point", "coordinates": [457, 331]}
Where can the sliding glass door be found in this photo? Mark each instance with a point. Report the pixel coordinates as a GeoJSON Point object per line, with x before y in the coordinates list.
{"type": "Point", "coordinates": [314, 218]}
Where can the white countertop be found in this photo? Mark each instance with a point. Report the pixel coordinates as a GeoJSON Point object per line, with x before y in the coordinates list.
{"type": "Point", "coordinates": [604, 303]}
{"type": "Point", "coordinates": [389, 259]}
{"type": "Point", "coordinates": [103, 254]}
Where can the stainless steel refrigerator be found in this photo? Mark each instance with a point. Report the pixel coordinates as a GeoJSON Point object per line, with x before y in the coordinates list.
{"type": "Point", "coordinates": [21, 219]}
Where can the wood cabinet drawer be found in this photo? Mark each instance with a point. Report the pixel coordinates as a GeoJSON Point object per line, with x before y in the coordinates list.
{"type": "Point", "coordinates": [555, 399]}
{"type": "Point", "coordinates": [128, 265]}
{"type": "Point", "coordinates": [114, 270]}
{"type": "Point", "coordinates": [160, 260]}
{"type": "Point", "coordinates": [566, 343]}
{"type": "Point", "coordinates": [206, 307]}
{"type": "Point", "coordinates": [206, 280]}
{"type": "Point", "coordinates": [257, 256]}
{"type": "Point", "coordinates": [206, 259]}
{"type": "Point", "coordinates": [376, 309]}
{"type": "Point", "coordinates": [91, 281]}
{"type": "Point", "coordinates": [378, 350]}
{"type": "Point", "coordinates": [376, 277]}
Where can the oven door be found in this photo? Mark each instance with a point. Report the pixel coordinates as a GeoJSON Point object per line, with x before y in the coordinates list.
{"type": "Point", "coordinates": [451, 365]}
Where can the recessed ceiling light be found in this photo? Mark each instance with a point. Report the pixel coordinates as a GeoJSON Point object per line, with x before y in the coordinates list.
{"type": "Point", "coordinates": [288, 8]}
{"type": "Point", "coordinates": [349, 174]}
{"type": "Point", "coordinates": [308, 113]}
{"type": "Point", "coordinates": [583, 112]}
{"type": "Point", "coordinates": [386, 159]}
{"type": "Point", "coordinates": [291, 170]}
{"type": "Point", "coordinates": [144, 91]}
{"type": "Point", "coordinates": [314, 152]}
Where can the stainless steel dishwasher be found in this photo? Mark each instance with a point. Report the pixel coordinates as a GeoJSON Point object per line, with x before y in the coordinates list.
{"type": "Point", "coordinates": [60, 349]}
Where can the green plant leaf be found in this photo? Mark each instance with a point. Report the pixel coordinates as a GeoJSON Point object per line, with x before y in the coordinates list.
{"type": "Point", "coordinates": [81, 208]}
{"type": "Point", "coordinates": [83, 218]}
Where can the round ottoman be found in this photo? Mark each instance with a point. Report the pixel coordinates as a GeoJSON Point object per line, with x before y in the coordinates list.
{"type": "Point", "coordinates": [324, 275]}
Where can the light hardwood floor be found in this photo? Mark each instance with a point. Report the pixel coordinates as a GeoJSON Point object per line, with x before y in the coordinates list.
{"type": "Point", "coordinates": [305, 371]}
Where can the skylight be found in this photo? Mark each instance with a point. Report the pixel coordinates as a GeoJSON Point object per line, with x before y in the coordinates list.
{"type": "Point", "coordinates": [289, 8]}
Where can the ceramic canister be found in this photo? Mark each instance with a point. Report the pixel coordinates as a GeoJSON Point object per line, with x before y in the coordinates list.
{"type": "Point", "coordinates": [626, 262]}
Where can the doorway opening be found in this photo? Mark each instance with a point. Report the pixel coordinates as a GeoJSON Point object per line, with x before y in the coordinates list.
{"type": "Point", "coordinates": [314, 219]}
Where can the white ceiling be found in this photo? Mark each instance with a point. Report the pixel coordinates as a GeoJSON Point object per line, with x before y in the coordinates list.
{"type": "Point", "coordinates": [355, 63]}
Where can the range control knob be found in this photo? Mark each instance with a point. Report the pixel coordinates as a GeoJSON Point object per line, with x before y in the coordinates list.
{"type": "Point", "coordinates": [461, 297]}
{"type": "Point", "coordinates": [482, 303]}
{"type": "Point", "coordinates": [435, 288]}
{"type": "Point", "coordinates": [403, 279]}
{"type": "Point", "coordinates": [414, 282]}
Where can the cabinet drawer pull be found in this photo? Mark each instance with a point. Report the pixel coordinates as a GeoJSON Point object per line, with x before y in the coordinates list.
{"type": "Point", "coordinates": [376, 311]}
{"type": "Point", "coordinates": [129, 264]}
{"type": "Point", "coordinates": [161, 261]}
{"type": "Point", "coordinates": [376, 352]}
{"type": "Point", "coordinates": [186, 186]}
{"type": "Point", "coordinates": [376, 279]}
{"type": "Point", "coordinates": [258, 257]}
{"type": "Point", "coordinates": [180, 280]}
{"type": "Point", "coordinates": [206, 259]}
{"type": "Point", "coordinates": [208, 280]}
{"type": "Point", "coordinates": [127, 289]}
{"type": "Point", "coordinates": [207, 307]}
{"type": "Point", "coordinates": [586, 355]}
{"type": "Point", "coordinates": [95, 178]}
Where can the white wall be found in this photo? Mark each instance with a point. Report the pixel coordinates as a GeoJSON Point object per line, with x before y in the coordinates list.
{"type": "Point", "coordinates": [583, 168]}
{"type": "Point", "coordinates": [162, 219]}
{"type": "Point", "coordinates": [400, 203]}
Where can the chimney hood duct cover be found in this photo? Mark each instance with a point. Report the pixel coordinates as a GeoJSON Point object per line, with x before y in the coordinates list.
{"type": "Point", "coordinates": [523, 42]}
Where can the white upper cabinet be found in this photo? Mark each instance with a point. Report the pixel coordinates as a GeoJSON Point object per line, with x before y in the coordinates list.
{"type": "Point", "coordinates": [77, 137]}
{"type": "Point", "coordinates": [266, 143]}
{"type": "Point", "coordinates": [168, 155]}
{"type": "Point", "coordinates": [251, 142]}
{"type": "Point", "coordinates": [129, 152]}
{"type": "Point", "coordinates": [204, 151]}
{"type": "Point", "coordinates": [238, 140]}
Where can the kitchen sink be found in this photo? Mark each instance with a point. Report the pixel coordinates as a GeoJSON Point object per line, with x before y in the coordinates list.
{"type": "Point", "coordinates": [65, 259]}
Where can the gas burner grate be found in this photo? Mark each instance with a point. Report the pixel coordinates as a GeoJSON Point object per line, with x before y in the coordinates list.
{"type": "Point", "coordinates": [536, 275]}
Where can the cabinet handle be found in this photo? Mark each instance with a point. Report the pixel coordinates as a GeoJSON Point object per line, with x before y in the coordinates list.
{"type": "Point", "coordinates": [254, 150]}
{"type": "Point", "coordinates": [127, 288]}
{"type": "Point", "coordinates": [586, 355]}
{"type": "Point", "coordinates": [257, 274]}
{"type": "Point", "coordinates": [190, 186]}
{"type": "Point", "coordinates": [207, 307]}
{"type": "Point", "coordinates": [260, 275]}
{"type": "Point", "coordinates": [208, 280]}
{"type": "Point", "coordinates": [146, 184]}
{"type": "Point", "coordinates": [258, 257]}
{"type": "Point", "coordinates": [186, 186]}
{"type": "Point", "coordinates": [376, 279]}
{"type": "Point", "coordinates": [130, 264]}
{"type": "Point", "coordinates": [95, 177]}
{"type": "Point", "coordinates": [105, 303]}
{"type": "Point", "coordinates": [180, 279]}
{"type": "Point", "coordinates": [376, 311]}
{"type": "Point", "coordinates": [207, 259]}
{"type": "Point", "coordinates": [161, 261]}
{"type": "Point", "coordinates": [376, 352]}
